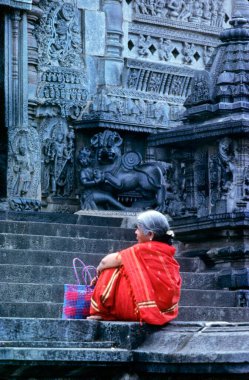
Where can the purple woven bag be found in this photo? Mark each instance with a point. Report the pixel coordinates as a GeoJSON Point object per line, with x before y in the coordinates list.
{"type": "Point", "coordinates": [77, 297]}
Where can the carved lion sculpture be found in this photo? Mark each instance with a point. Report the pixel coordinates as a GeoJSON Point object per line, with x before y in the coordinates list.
{"type": "Point", "coordinates": [107, 175]}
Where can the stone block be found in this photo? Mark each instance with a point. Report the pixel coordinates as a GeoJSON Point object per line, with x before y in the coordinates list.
{"type": "Point", "coordinates": [95, 29]}
{"type": "Point", "coordinates": [88, 4]}
{"type": "Point", "coordinates": [111, 72]}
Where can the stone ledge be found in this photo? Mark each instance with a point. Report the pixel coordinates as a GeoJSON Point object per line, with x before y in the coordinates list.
{"type": "Point", "coordinates": [175, 348]}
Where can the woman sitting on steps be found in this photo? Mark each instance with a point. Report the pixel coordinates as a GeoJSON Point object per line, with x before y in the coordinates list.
{"type": "Point", "coordinates": [140, 283]}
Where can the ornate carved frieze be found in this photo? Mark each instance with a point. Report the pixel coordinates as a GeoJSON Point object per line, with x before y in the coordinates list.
{"type": "Point", "coordinates": [152, 95]}
{"type": "Point", "coordinates": [58, 146]}
{"type": "Point", "coordinates": [207, 13]}
{"type": "Point", "coordinates": [169, 81]}
{"type": "Point", "coordinates": [62, 78]}
{"type": "Point", "coordinates": [63, 88]}
{"type": "Point", "coordinates": [132, 109]}
{"type": "Point", "coordinates": [170, 46]}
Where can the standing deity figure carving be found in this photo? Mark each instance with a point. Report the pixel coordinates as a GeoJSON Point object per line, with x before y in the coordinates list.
{"type": "Point", "coordinates": [23, 169]}
{"type": "Point", "coordinates": [164, 49]}
{"type": "Point", "coordinates": [227, 156]}
{"type": "Point", "coordinates": [143, 45]}
{"type": "Point", "coordinates": [108, 176]}
{"type": "Point", "coordinates": [187, 53]}
{"type": "Point", "coordinates": [58, 153]}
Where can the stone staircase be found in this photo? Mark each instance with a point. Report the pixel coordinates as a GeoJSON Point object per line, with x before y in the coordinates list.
{"type": "Point", "coordinates": [36, 253]}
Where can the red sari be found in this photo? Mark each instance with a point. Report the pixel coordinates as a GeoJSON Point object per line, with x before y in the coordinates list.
{"type": "Point", "coordinates": [146, 287]}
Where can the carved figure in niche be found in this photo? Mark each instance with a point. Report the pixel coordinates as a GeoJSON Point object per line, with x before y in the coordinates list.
{"type": "Point", "coordinates": [227, 156]}
{"type": "Point", "coordinates": [160, 9]}
{"type": "Point", "coordinates": [188, 51]}
{"type": "Point", "coordinates": [175, 8]}
{"type": "Point", "coordinates": [107, 175]}
{"type": "Point", "coordinates": [186, 10]}
{"type": "Point", "coordinates": [176, 87]}
{"type": "Point", "coordinates": [151, 7]}
{"type": "Point", "coordinates": [196, 11]}
{"type": "Point", "coordinates": [164, 49]}
{"type": "Point", "coordinates": [154, 82]}
{"type": "Point", "coordinates": [246, 183]}
{"type": "Point", "coordinates": [23, 169]}
{"type": "Point", "coordinates": [206, 10]}
{"type": "Point", "coordinates": [132, 79]}
{"type": "Point", "coordinates": [143, 45]}
{"type": "Point", "coordinates": [140, 7]}
{"type": "Point", "coordinates": [207, 54]}
{"type": "Point", "coordinates": [161, 112]}
{"type": "Point", "coordinates": [217, 12]}
{"type": "Point", "coordinates": [58, 168]}
{"type": "Point", "coordinates": [220, 13]}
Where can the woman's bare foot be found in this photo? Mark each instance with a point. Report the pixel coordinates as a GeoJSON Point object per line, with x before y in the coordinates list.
{"type": "Point", "coordinates": [95, 317]}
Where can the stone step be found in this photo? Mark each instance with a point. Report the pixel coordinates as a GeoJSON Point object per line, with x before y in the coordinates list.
{"type": "Point", "coordinates": [186, 313]}
{"type": "Point", "coordinates": [47, 293]}
{"type": "Point", "coordinates": [47, 258]}
{"type": "Point", "coordinates": [54, 258]}
{"type": "Point", "coordinates": [103, 218]}
{"type": "Point", "coordinates": [201, 281]}
{"type": "Point", "coordinates": [62, 274]}
{"type": "Point", "coordinates": [209, 298]}
{"type": "Point", "coordinates": [31, 293]}
{"type": "Point", "coordinates": [193, 264]}
{"type": "Point", "coordinates": [31, 310]}
{"type": "Point", "coordinates": [48, 331]}
{"type": "Point", "coordinates": [32, 242]}
{"type": "Point", "coordinates": [66, 230]}
{"type": "Point", "coordinates": [207, 313]}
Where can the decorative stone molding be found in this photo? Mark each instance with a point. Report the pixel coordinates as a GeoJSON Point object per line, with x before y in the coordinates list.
{"type": "Point", "coordinates": [62, 88]}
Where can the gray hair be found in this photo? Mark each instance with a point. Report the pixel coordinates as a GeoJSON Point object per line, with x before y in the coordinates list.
{"type": "Point", "coordinates": [154, 221]}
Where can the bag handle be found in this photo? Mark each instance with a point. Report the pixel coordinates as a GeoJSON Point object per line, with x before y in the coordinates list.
{"type": "Point", "coordinates": [85, 271]}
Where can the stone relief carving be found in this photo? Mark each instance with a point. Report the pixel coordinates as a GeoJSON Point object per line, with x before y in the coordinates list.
{"type": "Point", "coordinates": [24, 175]}
{"type": "Point", "coordinates": [227, 163]}
{"type": "Point", "coordinates": [62, 78]}
{"type": "Point", "coordinates": [115, 180]}
{"type": "Point", "coordinates": [164, 49]}
{"type": "Point", "coordinates": [126, 109]}
{"type": "Point", "coordinates": [58, 35]}
{"type": "Point", "coordinates": [200, 89]}
{"type": "Point", "coordinates": [210, 12]}
{"type": "Point", "coordinates": [58, 158]}
{"type": "Point", "coordinates": [197, 188]}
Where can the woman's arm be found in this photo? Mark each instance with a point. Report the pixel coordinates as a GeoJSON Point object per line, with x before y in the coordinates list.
{"type": "Point", "coordinates": [112, 260]}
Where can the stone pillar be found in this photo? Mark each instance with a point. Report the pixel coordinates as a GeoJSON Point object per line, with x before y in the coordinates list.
{"type": "Point", "coordinates": [23, 151]}
{"type": "Point", "coordinates": [113, 62]}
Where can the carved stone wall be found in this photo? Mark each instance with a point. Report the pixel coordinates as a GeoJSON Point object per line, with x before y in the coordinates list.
{"type": "Point", "coordinates": [74, 69]}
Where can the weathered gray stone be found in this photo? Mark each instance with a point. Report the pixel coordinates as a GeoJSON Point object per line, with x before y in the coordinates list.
{"type": "Point", "coordinates": [94, 24]}
{"type": "Point", "coordinates": [88, 4]}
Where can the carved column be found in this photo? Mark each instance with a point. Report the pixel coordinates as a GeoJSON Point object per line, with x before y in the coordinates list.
{"type": "Point", "coordinates": [113, 62]}
{"type": "Point", "coordinates": [33, 17]}
{"type": "Point", "coordinates": [23, 157]}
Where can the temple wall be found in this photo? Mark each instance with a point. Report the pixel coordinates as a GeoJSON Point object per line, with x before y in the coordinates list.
{"type": "Point", "coordinates": [75, 70]}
